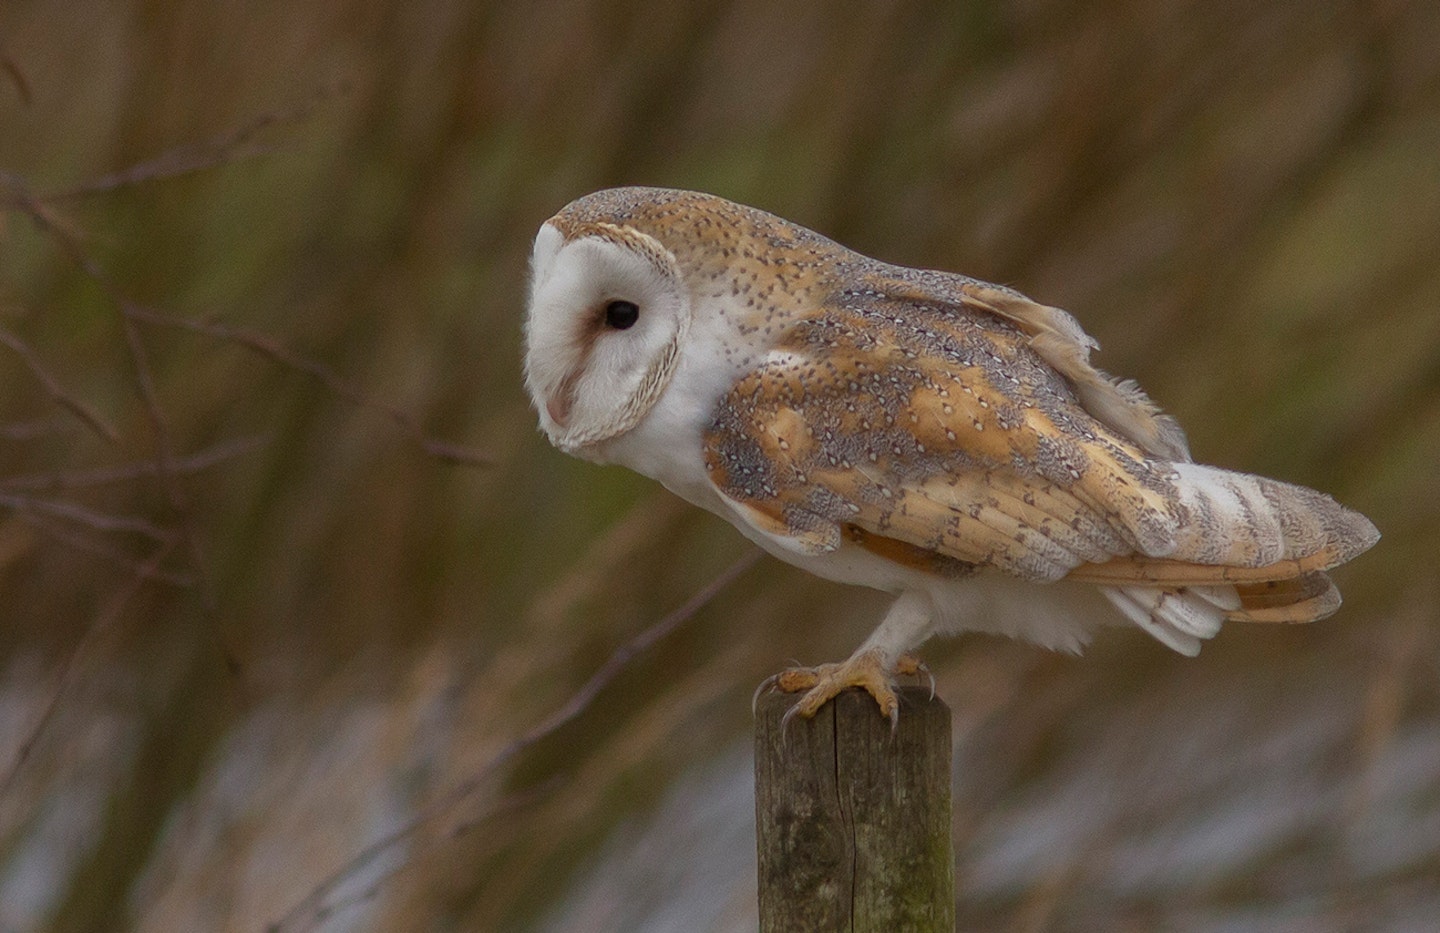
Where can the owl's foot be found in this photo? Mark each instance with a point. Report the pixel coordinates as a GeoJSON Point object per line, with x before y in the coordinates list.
{"type": "Point", "coordinates": [822, 684]}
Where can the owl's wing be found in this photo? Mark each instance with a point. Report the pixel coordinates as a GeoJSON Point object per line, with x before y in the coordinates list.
{"type": "Point", "coordinates": [940, 437]}
{"type": "Point", "coordinates": [955, 435]}
{"type": "Point", "coordinates": [1058, 339]}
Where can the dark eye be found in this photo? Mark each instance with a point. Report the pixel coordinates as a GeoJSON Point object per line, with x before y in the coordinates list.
{"type": "Point", "coordinates": [621, 315]}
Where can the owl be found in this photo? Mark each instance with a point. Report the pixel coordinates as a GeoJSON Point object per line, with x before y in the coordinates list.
{"type": "Point", "coordinates": [919, 432]}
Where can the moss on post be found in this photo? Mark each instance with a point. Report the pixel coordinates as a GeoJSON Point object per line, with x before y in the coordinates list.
{"type": "Point", "coordinates": [852, 821]}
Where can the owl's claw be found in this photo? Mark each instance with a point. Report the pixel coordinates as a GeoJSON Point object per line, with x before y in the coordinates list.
{"type": "Point", "coordinates": [909, 664]}
{"type": "Point", "coordinates": [822, 684]}
{"type": "Point", "coordinates": [766, 684]}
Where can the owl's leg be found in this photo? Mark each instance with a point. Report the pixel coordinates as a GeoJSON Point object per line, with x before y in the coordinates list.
{"type": "Point", "coordinates": [873, 667]}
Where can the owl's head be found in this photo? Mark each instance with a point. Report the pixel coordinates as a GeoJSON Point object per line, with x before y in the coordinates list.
{"type": "Point", "coordinates": [608, 311]}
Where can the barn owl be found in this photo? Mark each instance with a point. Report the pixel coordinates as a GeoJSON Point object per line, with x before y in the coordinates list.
{"type": "Point", "coordinates": [919, 432]}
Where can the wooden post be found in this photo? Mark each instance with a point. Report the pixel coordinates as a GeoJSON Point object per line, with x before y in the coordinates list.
{"type": "Point", "coordinates": [853, 822]}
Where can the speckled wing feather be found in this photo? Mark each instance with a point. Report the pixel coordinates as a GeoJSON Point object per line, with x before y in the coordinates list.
{"type": "Point", "coordinates": [936, 435]}
{"type": "Point", "coordinates": [971, 433]}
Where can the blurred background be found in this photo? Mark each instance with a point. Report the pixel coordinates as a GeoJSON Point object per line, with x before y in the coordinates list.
{"type": "Point", "coordinates": [262, 274]}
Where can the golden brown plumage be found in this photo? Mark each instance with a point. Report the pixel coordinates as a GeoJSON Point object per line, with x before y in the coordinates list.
{"type": "Point", "coordinates": [908, 429]}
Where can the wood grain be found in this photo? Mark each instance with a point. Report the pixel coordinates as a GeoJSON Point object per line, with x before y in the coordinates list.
{"type": "Point", "coordinates": [853, 822]}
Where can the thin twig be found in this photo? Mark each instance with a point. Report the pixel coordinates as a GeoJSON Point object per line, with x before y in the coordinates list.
{"type": "Point", "coordinates": [98, 547]}
{"type": "Point", "coordinates": [53, 388]}
{"type": "Point", "coordinates": [17, 76]}
{"type": "Point", "coordinates": [508, 804]}
{"type": "Point", "coordinates": [268, 347]}
{"type": "Point", "coordinates": [124, 472]}
{"type": "Point", "coordinates": [18, 196]}
{"type": "Point", "coordinates": [172, 163]}
{"type": "Point", "coordinates": [235, 146]}
{"type": "Point", "coordinates": [181, 160]}
{"type": "Point", "coordinates": [144, 379]}
{"type": "Point", "coordinates": [187, 159]}
{"type": "Point", "coordinates": [43, 216]}
{"type": "Point", "coordinates": [79, 514]}
{"type": "Point", "coordinates": [315, 907]}
{"type": "Point", "coordinates": [29, 430]}
{"type": "Point", "coordinates": [175, 494]}
{"type": "Point", "coordinates": [227, 148]}
{"type": "Point", "coordinates": [69, 668]}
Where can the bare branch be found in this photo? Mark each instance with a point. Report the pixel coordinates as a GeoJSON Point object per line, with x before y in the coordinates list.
{"type": "Point", "coordinates": [107, 617]}
{"type": "Point", "coordinates": [100, 521]}
{"type": "Point", "coordinates": [508, 804]}
{"type": "Point", "coordinates": [70, 241]}
{"type": "Point", "coordinates": [268, 347]}
{"type": "Point", "coordinates": [235, 146]}
{"type": "Point", "coordinates": [66, 535]}
{"type": "Point", "coordinates": [317, 906]}
{"type": "Point", "coordinates": [124, 472]}
{"type": "Point", "coordinates": [53, 388]}
{"type": "Point", "coordinates": [140, 364]}
{"type": "Point", "coordinates": [164, 450]}
{"type": "Point", "coordinates": [44, 217]}
{"type": "Point", "coordinates": [29, 430]}
{"type": "Point", "coordinates": [19, 197]}
{"type": "Point", "coordinates": [17, 76]}
{"type": "Point", "coordinates": [173, 163]}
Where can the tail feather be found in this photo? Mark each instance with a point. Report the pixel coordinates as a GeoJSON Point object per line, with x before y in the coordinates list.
{"type": "Point", "coordinates": [1243, 529]}
{"type": "Point", "coordinates": [1242, 520]}
{"type": "Point", "coordinates": [1179, 619]}
{"type": "Point", "coordinates": [1248, 549]}
{"type": "Point", "coordinates": [1305, 598]}
{"type": "Point", "coordinates": [1223, 597]}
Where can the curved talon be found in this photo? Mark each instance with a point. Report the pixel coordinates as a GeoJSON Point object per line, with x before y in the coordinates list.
{"type": "Point", "coordinates": [766, 684]}
{"type": "Point", "coordinates": [922, 668]}
{"type": "Point", "coordinates": [910, 664]}
{"type": "Point", "coordinates": [789, 715]}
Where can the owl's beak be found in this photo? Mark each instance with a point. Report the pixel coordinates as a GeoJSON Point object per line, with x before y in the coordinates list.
{"type": "Point", "coordinates": [558, 409]}
{"type": "Point", "coordinates": [558, 404]}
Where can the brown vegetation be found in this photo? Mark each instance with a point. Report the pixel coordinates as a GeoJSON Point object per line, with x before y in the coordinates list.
{"type": "Point", "coordinates": [285, 569]}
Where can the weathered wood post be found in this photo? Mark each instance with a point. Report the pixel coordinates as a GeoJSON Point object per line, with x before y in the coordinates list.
{"type": "Point", "coordinates": [853, 822]}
